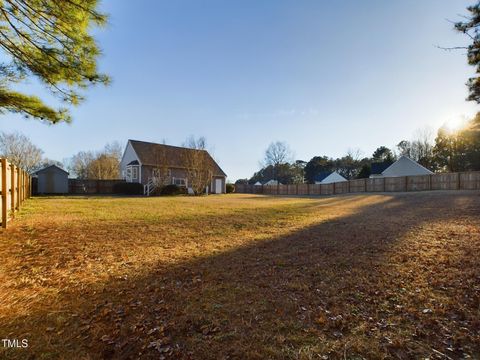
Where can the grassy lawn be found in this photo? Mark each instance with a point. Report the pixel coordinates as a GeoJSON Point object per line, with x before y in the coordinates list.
{"type": "Point", "coordinates": [244, 276]}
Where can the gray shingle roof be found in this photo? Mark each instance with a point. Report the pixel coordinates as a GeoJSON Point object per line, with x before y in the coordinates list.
{"type": "Point", "coordinates": [322, 175]}
{"type": "Point", "coordinates": [51, 167]}
{"type": "Point", "coordinates": [151, 154]}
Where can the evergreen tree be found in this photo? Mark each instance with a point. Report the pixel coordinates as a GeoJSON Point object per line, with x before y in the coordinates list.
{"type": "Point", "coordinates": [470, 28]}
{"type": "Point", "coordinates": [50, 40]}
{"type": "Point", "coordinates": [365, 172]}
{"type": "Point", "coordinates": [383, 154]}
{"type": "Point", "coordinates": [459, 150]}
{"type": "Point", "coordinates": [317, 165]}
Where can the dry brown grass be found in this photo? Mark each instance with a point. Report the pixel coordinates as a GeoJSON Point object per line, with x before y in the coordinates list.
{"type": "Point", "coordinates": [244, 276]}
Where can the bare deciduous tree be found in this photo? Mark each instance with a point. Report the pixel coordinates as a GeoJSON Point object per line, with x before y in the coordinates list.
{"type": "Point", "coordinates": [278, 153]}
{"type": "Point", "coordinates": [102, 165]}
{"type": "Point", "coordinates": [199, 143]}
{"type": "Point", "coordinates": [420, 148]}
{"type": "Point", "coordinates": [161, 174]}
{"type": "Point", "coordinates": [198, 164]}
{"type": "Point", "coordinates": [114, 149]}
{"type": "Point", "coordinates": [80, 162]}
{"type": "Point", "coordinates": [18, 149]}
{"type": "Point", "coordinates": [355, 153]}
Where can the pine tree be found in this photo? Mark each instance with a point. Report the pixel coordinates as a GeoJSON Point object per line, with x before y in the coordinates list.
{"type": "Point", "coordinates": [470, 28]}
{"type": "Point", "coordinates": [50, 40]}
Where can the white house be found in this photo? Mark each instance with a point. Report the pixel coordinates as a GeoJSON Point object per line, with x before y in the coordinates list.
{"type": "Point", "coordinates": [258, 183]}
{"type": "Point", "coordinates": [329, 177]}
{"type": "Point", "coordinates": [404, 166]}
{"type": "Point", "coordinates": [272, 182]}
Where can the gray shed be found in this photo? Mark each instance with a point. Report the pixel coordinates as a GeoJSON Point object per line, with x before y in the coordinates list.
{"type": "Point", "coordinates": [52, 180]}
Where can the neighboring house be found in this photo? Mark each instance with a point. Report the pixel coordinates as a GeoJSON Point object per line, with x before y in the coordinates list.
{"type": "Point", "coordinates": [258, 183]}
{"type": "Point", "coordinates": [378, 167]}
{"type": "Point", "coordinates": [144, 162]}
{"type": "Point", "coordinates": [328, 177]}
{"type": "Point", "coordinates": [404, 166]}
{"type": "Point", "coordinates": [52, 180]}
{"type": "Point", "coordinates": [272, 182]}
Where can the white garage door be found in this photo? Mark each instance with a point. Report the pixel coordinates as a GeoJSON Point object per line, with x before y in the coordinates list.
{"type": "Point", "coordinates": [218, 186]}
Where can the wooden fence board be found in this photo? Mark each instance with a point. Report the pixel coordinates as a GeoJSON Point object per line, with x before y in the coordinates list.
{"type": "Point", "coordinates": [358, 185]}
{"type": "Point", "coordinates": [14, 188]}
{"type": "Point", "coordinates": [86, 186]}
{"type": "Point", "coordinates": [470, 180]}
{"type": "Point", "coordinates": [447, 181]}
{"type": "Point", "coordinates": [375, 184]}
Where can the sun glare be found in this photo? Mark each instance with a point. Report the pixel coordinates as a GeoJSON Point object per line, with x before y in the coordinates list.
{"type": "Point", "coordinates": [455, 124]}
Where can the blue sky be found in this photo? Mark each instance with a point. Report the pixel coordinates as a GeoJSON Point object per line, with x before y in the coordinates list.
{"type": "Point", "coordinates": [324, 76]}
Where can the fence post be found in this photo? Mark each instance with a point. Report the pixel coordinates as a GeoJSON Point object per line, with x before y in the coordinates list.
{"type": "Point", "coordinates": [348, 186]}
{"type": "Point", "coordinates": [334, 188]}
{"type": "Point", "coordinates": [406, 183]}
{"type": "Point", "coordinates": [383, 183]}
{"type": "Point", "coordinates": [12, 189]}
{"type": "Point", "coordinates": [23, 186]}
{"type": "Point", "coordinates": [430, 182]}
{"type": "Point", "coordinates": [18, 188]}
{"type": "Point", "coordinates": [4, 192]}
{"type": "Point", "coordinates": [365, 185]}
{"type": "Point", "coordinates": [459, 185]}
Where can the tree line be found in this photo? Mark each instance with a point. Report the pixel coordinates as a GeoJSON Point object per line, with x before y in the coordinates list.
{"type": "Point", "coordinates": [452, 150]}
{"type": "Point", "coordinates": [101, 165]}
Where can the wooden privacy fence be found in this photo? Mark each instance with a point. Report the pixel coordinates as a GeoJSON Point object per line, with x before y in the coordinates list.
{"type": "Point", "coordinates": [87, 186]}
{"type": "Point", "coordinates": [447, 181]}
{"type": "Point", "coordinates": [15, 187]}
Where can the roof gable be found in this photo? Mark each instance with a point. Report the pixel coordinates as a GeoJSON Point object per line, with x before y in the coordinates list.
{"type": "Point", "coordinates": [331, 178]}
{"type": "Point", "coordinates": [153, 154]}
{"type": "Point", "coordinates": [51, 167]}
{"type": "Point", "coordinates": [405, 166]}
{"type": "Point", "coordinates": [322, 175]}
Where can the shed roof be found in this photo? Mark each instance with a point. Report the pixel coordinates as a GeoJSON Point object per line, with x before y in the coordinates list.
{"type": "Point", "coordinates": [51, 167]}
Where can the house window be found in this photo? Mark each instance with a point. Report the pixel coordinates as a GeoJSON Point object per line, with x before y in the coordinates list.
{"type": "Point", "coordinates": [179, 181]}
{"type": "Point", "coordinates": [132, 173]}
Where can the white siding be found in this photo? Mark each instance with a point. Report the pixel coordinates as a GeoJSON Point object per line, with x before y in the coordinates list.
{"type": "Point", "coordinates": [128, 156]}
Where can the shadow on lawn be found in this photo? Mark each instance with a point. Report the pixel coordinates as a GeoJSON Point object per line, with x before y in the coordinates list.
{"type": "Point", "coordinates": [351, 285]}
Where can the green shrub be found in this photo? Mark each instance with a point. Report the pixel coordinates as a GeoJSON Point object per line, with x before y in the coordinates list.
{"type": "Point", "coordinates": [128, 188]}
{"type": "Point", "coordinates": [230, 188]}
{"type": "Point", "coordinates": [172, 190]}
